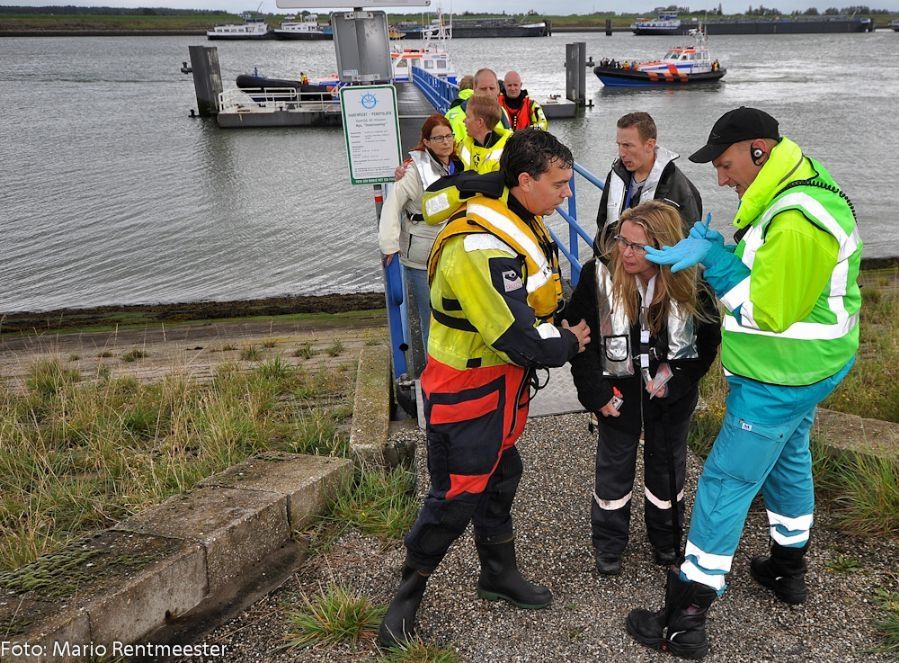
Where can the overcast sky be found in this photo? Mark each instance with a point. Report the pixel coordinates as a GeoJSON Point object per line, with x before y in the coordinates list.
{"type": "Point", "coordinates": [549, 6]}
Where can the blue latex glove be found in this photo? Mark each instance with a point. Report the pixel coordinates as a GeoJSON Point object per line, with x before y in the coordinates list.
{"type": "Point", "coordinates": [701, 230]}
{"type": "Point", "coordinates": [683, 255]}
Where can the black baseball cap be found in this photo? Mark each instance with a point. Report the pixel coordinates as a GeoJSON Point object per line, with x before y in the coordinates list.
{"type": "Point", "coordinates": [737, 125]}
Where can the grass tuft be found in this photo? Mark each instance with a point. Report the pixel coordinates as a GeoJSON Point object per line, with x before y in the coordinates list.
{"type": "Point", "coordinates": [133, 355]}
{"type": "Point", "coordinates": [335, 349]}
{"type": "Point", "coordinates": [381, 503]}
{"type": "Point", "coordinates": [251, 353]}
{"type": "Point", "coordinates": [844, 564]}
{"type": "Point", "coordinates": [888, 627]}
{"type": "Point", "coordinates": [331, 617]}
{"type": "Point", "coordinates": [48, 377]}
{"type": "Point", "coordinates": [416, 651]}
{"type": "Point", "coordinates": [306, 351]}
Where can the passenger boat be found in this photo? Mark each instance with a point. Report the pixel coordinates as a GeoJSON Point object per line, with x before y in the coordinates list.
{"type": "Point", "coordinates": [432, 57]}
{"type": "Point", "coordinates": [307, 30]}
{"type": "Point", "coordinates": [895, 24]}
{"type": "Point", "coordinates": [252, 28]}
{"type": "Point", "coordinates": [681, 65]}
{"type": "Point", "coordinates": [664, 24]}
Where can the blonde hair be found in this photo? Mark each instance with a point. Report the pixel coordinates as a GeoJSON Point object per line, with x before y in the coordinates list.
{"type": "Point", "coordinates": [663, 227]}
{"type": "Point", "coordinates": [486, 108]}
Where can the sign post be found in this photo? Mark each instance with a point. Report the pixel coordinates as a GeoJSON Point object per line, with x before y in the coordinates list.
{"type": "Point", "coordinates": [372, 132]}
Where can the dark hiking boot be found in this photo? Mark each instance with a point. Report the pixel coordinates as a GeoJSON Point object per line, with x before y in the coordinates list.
{"type": "Point", "coordinates": [399, 621]}
{"type": "Point", "coordinates": [679, 627]}
{"type": "Point", "coordinates": [500, 578]}
{"type": "Point", "coordinates": [783, 571]}
{"type": "Point", "coordinates": [608, 565]}
{"type": "Point", "coordinates": [664, 556]}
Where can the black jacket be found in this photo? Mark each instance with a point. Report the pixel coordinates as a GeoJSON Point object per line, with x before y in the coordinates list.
{"type": "Point", "coordinates": [594, 390]}
{"type": "Point", "coordinates": [674, 188]}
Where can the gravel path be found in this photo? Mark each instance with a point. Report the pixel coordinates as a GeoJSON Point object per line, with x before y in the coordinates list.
{"type": "Point", "coordinates": [586, 619]}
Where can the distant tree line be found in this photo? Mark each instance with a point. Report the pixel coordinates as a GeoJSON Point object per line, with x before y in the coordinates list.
{"type": "Point", "coordinates": [108, 11]}
{"type": "Point", "coordinates": [761, 10]}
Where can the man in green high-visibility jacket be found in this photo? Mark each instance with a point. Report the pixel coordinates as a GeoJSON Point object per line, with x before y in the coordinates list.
{"type": "Point", "coordinates": [790, 334]}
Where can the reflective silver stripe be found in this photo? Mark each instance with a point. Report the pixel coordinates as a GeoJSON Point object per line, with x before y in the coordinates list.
{"type": "Point", "coordinates": [794, 524]}
{"type": "Point", "coordinates": [808, 331]}
{"type": "Point", "coordinates": [785, 540]}
{"type": "Point", "coordinates": [735, 297]}
{"type": "Point", "coordinates": [483, 241]}
{"type": "Point", "coordinates": [847, 242]}
{"type": "Point", "coordinates": [839, 280]}
{"type": "Point", "coordinates": [437, 204]}
{"type": "Point", "coordinates": [500, 222]}
{"type": "Point", "coordinates": [708, 560]}
{"type": "Point", "coordinates": [465, 155]}
{"type": "Point", "coordinates": [547, 330]}
{"type": "Point", "coordinates": [661, 504]}
{"type": "Point", "coordinates": [696, 574]}
{"type": "Point", "coordinates": [612, 505]}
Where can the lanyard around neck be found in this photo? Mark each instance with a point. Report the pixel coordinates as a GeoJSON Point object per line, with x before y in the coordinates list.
{"type": "Point", "coordinates": [646, 295]}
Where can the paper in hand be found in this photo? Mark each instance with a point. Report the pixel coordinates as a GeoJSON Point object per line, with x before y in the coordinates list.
{"type": "Point", "coordinates": [660, 380]}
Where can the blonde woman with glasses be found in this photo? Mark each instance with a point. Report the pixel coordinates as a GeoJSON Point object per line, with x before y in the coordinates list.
{"type": "Point", "coordinates": [655, 335]}
{"type": "Point", "coordinates": [402, 229]}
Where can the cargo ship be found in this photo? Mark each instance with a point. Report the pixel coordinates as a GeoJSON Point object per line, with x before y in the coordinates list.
{"type": "Point", "coordinates": [481, 28]}
{"type": "Point", "coordinates": [782, 25]}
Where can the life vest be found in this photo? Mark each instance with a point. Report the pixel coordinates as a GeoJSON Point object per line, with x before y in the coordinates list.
{"type": "Point", "coordinates": [615, 330]}
{"type": "Point", "coordinates": [456, 114]}
{"type": "Point", "coordinates": [823, 342]}
{"type": "Point", "coordinates": [618, 187]}
{"type": "Point", "coordinates": [519, 118]}
{"type": "Point", "coordinates": [416, 236]}
{"type": "Point", "coordinates": [483, 159]}
{"type": "Point", "coordinates": [542, 277]}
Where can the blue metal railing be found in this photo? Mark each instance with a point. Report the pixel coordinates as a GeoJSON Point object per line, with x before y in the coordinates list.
{"type": "Point", "coordinates": [439, 91]}
{"type": "Point", "coordinates": [441, 94]}
{"type": "Point", "coordinates": [575, 229]}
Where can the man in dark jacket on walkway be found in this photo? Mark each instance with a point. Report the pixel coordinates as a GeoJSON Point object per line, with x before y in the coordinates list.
{"type": "Point", "coordinates": [643, 171]}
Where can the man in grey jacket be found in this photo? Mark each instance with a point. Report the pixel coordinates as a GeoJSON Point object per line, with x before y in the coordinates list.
{"type": "Point", "coordinates": [643, 171]}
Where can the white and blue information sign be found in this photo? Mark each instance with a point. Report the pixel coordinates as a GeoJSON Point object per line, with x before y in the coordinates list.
{"type": "Point", "coordinates": [372, 132]}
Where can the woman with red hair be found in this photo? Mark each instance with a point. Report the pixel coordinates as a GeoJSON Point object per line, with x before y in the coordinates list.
{"type": "Point", "coordinates": [402, 229]}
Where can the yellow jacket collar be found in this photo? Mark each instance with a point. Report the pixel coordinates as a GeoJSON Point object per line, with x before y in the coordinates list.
{"type": "Point", "coordinates": [785, 159]}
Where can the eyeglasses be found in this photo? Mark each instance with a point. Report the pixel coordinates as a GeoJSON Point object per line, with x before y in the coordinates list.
{"type": "Point", "coordinates": [627, 244]}
{"type": "Point", "coordinates": [441, 139]}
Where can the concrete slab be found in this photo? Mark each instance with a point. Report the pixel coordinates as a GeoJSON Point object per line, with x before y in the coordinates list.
{"type": "Point", "coordinates": [151, 597]}
{"type": "Point", "coordinates": [371, 407]}
{"type": "Point", "coordinates": [237, 527]}
{"type": "Point", "coordinates": [113, 586]}
{"type": "Point", "coordinates": [38, 631]}
{"type": "Point", "coordinates": [851, 433]}
{"type": "Point", "coordinates": [558, 108]}
{"type": "Point", "coordinates": [305, 481]}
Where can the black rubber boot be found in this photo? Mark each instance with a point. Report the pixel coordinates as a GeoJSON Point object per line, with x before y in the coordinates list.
{"type": "Point", "coordinates": [500, 578]}
{"type": "Point", "coordinates": [679, 627]}
{"type": "Point", "coordinates": [783, 571]}
{"type": "Point", "coordinates": [399, 621]}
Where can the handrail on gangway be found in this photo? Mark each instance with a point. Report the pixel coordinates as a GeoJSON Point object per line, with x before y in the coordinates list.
{"type": "Point", "coordinates": [441, 94]}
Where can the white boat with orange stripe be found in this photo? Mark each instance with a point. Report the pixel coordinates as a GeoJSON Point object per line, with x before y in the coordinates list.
{"type": "Point", "coordinates": [680, 66]}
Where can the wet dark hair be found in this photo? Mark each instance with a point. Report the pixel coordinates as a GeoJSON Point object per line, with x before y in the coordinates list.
{"type": "Point", "coordinates": [532, 151]}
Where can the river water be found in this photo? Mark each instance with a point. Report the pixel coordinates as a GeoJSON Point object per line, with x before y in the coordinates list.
{"type": "Point", "coordinates": [111, 194]}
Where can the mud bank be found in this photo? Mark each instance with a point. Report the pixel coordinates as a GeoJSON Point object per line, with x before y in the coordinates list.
{"type": "Point", "coordinates": [148, 313]}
